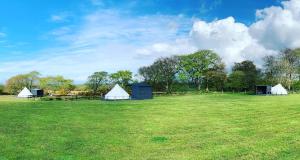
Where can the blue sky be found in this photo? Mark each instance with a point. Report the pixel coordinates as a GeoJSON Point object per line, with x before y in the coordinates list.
{"type": "Point", "coordinates": [77, 37]}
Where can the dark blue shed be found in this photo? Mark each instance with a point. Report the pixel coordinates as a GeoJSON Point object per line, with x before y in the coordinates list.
{"type": "Point", "coordinates": [37, 92]}
{"type": "Point", "coordinates": [141, 91]}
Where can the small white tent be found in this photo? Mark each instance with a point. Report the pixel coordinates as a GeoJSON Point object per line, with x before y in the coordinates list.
{"type": "Point", "coordinates": [117, 93]}
{"type": "Point", "coordinates": [25, 93]}
{"type": "Point", "coordinates": [279, 90]}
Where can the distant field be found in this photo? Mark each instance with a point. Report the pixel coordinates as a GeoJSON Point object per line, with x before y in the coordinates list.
{"type": "Point", "coordinates": [179, 127]}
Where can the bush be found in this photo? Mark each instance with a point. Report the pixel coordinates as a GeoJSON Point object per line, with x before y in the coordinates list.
{"type": "Point", "coordinates": [47, 98]}
{"type": "Point", "coordinates": [1, 89]}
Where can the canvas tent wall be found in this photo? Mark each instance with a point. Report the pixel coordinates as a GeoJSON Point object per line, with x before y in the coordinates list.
{"type": "Point", "coordinates": [279, 90]}
{"type": "Point", "coordinates": [117, 93]}
{"type": "Point", "coordinates": [25, 93]}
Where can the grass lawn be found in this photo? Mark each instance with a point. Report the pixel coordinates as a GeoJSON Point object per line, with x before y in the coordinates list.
{"type": "Point", "coordinates": [178, 127]}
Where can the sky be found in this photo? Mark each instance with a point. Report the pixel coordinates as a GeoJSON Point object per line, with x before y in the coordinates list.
{"type": "Point", "coordinates": [75, 38]}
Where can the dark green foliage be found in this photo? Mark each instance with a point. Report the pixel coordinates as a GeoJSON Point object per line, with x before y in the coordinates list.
{"type": "Point", "coordinates": [161, 74]}
{"type": "Point", "coordinates": [215, 78]}
{"type": "Point", "coordinates": [236, 81]}
{"type": "Point", "coordinates": [245, 76]}
{"type": "Point", "coordinates": [296, 86]}
{"type": "Point", "coordinates": [1, 89]}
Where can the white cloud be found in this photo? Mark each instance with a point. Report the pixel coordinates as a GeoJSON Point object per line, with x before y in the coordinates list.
{"type": "Point", "coordinates": [231, 40]}
{"type": "Point", "coordinates": [179, 46]}
{"type": "Point", "coordinates": [278, 27]}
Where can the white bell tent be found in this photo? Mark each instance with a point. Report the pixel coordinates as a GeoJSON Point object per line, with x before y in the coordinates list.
{"type": "Point", "coordinates": [25, 93]}
{"type": "Point", "coordinates": [117, 93]}
{"type": "Point", "coordinates": [279, 90]}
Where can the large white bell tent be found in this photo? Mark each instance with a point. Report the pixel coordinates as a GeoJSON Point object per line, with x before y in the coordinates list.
{"type": "Point", "coordinates": [279, 90]}
{"type": "Point", "coordinates": [25, 93]}
{"type": "Point", "coordinates": [117, 93]}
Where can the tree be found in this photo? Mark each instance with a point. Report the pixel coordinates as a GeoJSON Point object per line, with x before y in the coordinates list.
{"type": "Point", "coordinates": [290, 62]}
{"type": "Point", "coordinates": [271, 70]}
{"type": "Point", "coordinates": [236, 81]}
{"type": "Point", "coordinates": [57, 84]}
{"type": "Point", "coordinates": [196, 65]}
{"type": "Point", "coordinates": [1, 89]}
{"type": "Point", "coordinates": [17, 83]}
{"type": "Point", "coordinates": [166, 68]}
{"type": "Point", "coordinates": [284, 68]}
{"type": "Point", "coordinates": [122, 77]}
{"type": "Point", "coordinates": [149, 73]}
{"type": "Point", "coordinates": [96, 80]}
{"type": "Point", "coordinates": [250, 74]}
{"type": "Point", "coordinates": [33, 79]}
{"type": "Point", "coordinates": [216, 77]}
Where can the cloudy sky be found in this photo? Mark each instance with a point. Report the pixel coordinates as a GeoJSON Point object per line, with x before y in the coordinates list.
{"type": "Point", "coordinates": [77, 37]}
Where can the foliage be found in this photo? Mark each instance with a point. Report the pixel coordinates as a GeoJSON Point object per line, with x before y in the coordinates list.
{"type": "Point", "coordinates": [250, 76]}
{"type": "Point", "coordinates": [167, 70]}
{"type": "Point", "coordinates": [1, 89]}
{"type": "Point", "coordinates": [122, 77]}
{"type": "Point", "coordinates": [196, 65]}
{"type": "Point", "coordinates": [56, 84]}
{"type": "Point", "coordinates": [96, 80]}
{"type": "Point", "coordinates": [18, 82]}
{"type": "Point", "coordinates": [283, 68]}
{"type": "Point", "coordinates": [236, 81]}
{"type": "Point", "coordinates": [150, 74]}
{"type": "Point", "coordinates": [290, 63]}
{"type": "Point", "coordinates": [215, 78]}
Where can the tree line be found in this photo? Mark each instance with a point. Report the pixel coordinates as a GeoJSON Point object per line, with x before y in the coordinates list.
{"type": "Point", "coordinates": [97, 83]}
{"type": "Point", "coordinates": [203, 70]}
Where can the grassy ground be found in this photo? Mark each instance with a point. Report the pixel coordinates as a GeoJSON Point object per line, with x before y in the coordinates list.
{"type": "Point", "coordinates": [179, 127]}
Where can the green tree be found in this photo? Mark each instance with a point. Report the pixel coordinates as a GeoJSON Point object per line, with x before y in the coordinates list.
{"type": "Point", "coordinates": [236, 81]}
{"type": "Point", "coordinates": [216, 78]}
{"type": "Point", "coordinates": [283, 68]}
{"type": "Point", "coordinates": [57, 84]}
{"type": "Point", "coordinates": [250, 74]}
{"type": "Point", "coordinates": [196, 65]}
{"type": "Point", "coordinates": [33, 79]}
{"type": "Point", "coordinates": [290, 64]}
{"type": "Point", "coordinates": [166, 68]}
{"type": "Point", "coordinates": [1, 89]}
{"type": "Point", "coordinates": [16, 83]}
{"type": "Point", "coordinates": [271, 70]}
{"type": "Point", "coordinates": [96, 80]}
{"type": "Point", "coordinates": [122, 77]}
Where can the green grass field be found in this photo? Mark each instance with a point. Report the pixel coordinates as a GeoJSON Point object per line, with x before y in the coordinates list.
{"type": "Point", "coordinates": [178, 127]}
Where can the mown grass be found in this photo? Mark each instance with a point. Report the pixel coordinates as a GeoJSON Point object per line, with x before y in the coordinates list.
{"type": "Point", "coordinates": [220, 126]}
